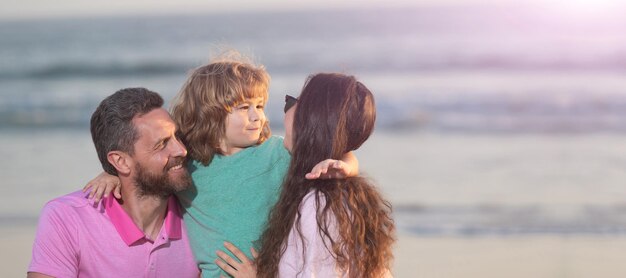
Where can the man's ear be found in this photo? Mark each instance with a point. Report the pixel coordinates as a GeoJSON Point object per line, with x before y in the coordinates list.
{"type": "Point", "coordinates": [121, 161]}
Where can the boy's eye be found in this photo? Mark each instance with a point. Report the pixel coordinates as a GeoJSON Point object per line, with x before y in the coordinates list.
{"type": "Point", "coordinates": [260, 107]}
{"type": "Point", "coordinates": [244, 107]}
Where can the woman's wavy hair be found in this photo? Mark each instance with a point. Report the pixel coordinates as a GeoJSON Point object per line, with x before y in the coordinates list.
{"type": "Point", "coordinates": [209, 94]}
{"type": "Point", "coordinates": [335, 114]}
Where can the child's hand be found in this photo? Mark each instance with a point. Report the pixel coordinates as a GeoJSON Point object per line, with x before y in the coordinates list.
{"type": "Point", "coordinates": [330, 169]}
{"type": "Point", "coordinates": [245, 268]}
{"type": "Point", "coordinates": [102, 185]}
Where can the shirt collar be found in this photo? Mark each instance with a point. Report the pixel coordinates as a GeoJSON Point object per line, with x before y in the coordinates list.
{"type": "Point", "coordinates": [127, 229]}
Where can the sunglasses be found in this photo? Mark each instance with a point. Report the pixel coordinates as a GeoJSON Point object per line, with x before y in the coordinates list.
{"type": "Point", "coordinates": [289, 102]}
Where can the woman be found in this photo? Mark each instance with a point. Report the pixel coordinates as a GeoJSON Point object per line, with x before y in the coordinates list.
{"type": "Point", "coordinates": [326, 228]}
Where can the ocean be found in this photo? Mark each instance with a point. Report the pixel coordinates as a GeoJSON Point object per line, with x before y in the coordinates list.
{"type": "Point", "coordinates": [492, 120]}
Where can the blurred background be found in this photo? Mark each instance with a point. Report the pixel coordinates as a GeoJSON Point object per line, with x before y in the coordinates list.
{"type": "Point", "coordinates": [500, 127]}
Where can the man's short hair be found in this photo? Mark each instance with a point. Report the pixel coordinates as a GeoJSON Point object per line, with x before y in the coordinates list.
{"type": "Point", "coordinates": [112, 128]}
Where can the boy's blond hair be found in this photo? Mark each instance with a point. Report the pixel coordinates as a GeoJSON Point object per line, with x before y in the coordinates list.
{"type": "Point", "coordinates": [209, 94]}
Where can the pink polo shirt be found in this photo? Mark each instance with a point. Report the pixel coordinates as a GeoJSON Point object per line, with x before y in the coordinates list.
{"type": "Point", "coordinates": [74, 239]}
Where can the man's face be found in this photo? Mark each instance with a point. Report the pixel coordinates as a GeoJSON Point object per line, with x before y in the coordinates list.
{"type": "Point", "coordinates": [159, 156]}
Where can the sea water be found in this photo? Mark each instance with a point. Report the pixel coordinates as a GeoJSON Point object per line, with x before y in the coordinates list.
{"type": "Point", "coordinates": [491, 120]}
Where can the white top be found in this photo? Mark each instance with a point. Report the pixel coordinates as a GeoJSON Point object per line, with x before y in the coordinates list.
{"type": "Point", "coordinates": [318, 260]}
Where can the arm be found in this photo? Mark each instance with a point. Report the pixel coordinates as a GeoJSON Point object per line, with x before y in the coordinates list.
{"type": "Point", "coordinates": [348, 166]}
{"type": "Point", "coordinates": [102, 185]}
{"type": "Point", "coordinates": [55, 252]}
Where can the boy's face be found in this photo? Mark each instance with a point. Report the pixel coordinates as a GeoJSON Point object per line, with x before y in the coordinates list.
{"type": "Point", "coordinates": [244, 125]}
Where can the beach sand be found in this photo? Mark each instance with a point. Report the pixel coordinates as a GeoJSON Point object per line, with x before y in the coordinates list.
{"type": "Point", "coordinates": [511, 257]}
{"type": "Point", "coordinates": [442, 257]}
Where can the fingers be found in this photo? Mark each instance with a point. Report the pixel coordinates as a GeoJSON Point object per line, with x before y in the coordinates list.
{"type": "Point", "coordinates": [243, 267]}
{"type": "Point", "coordinates": [89, 185]}
{"type": "Point", "coordinates": [223, 265]}
{"type": "Point", "coordinates": [329, 169]}
{"type": "Point", "coordinates": [323, 171]}
{"type": "Point", "coordinates": [91, 193]}
{"type": "Point", "coordinates": [255, 254]}
{"type": "Point", "coordinates": [233, 249]}
{"type": "Point", "coordinates": [107, 190]}
{"type": "Point", "coordinates": [314, 174]}
{"type": "Point", "coordinates": [97, 194]}
{"type": "Point", "coordinates": [228, 259]}
{"type": "Point", "coordinates": [339, 170]}
{"type": "Point", "coordinates": [103, 185]}
{"type": "Point", "coordinates": [318, 170]}
{"type": "Point", "coordinates": [336, 165]}
{"type": "Point", "coordinates": [118, 192]}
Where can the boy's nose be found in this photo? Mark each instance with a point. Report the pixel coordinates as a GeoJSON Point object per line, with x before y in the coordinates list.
{"type": "Point", "coordinates": [255, 114]}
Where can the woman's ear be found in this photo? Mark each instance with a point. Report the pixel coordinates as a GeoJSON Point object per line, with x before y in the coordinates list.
{"type": "Point", "coordinates": [121, 161]}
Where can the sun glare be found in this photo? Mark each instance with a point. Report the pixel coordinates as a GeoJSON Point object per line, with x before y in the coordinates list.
{"type": "Point", "coordinates": [591, 6]}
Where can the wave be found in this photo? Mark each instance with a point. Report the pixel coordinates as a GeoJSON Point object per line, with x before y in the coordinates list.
{"type": "Point", "coordinates": [481, 220]}
{"type": "Point", "coordinates": [97, 70]}
{"type": "Point", "coordinates": [68, 70]}
{"type": "Point", "coordinates": [491, 113]}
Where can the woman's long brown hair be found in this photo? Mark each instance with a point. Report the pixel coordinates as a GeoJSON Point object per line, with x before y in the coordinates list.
{"type": "Point", "coordinates": [335, 114]}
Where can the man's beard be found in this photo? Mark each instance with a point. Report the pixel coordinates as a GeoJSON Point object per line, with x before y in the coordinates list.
{"type": "Point", "coordinates": [160, 185]}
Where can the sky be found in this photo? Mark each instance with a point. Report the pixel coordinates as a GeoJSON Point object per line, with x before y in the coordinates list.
{"type": "Point", "coordinates": [10, 9]}
{"type": "Point", "coordinates": [35, 9]}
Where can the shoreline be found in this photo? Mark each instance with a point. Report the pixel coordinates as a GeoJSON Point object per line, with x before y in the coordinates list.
{"type": "Point", "coordinates": [538, 256]}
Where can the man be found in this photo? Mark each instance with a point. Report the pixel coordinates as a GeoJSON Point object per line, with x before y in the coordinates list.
{"type": "Point", "coordinates": [141, 235]}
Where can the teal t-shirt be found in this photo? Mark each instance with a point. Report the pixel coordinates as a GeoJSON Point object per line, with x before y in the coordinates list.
{"type": "Point", "coordinates": [231, 199]}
